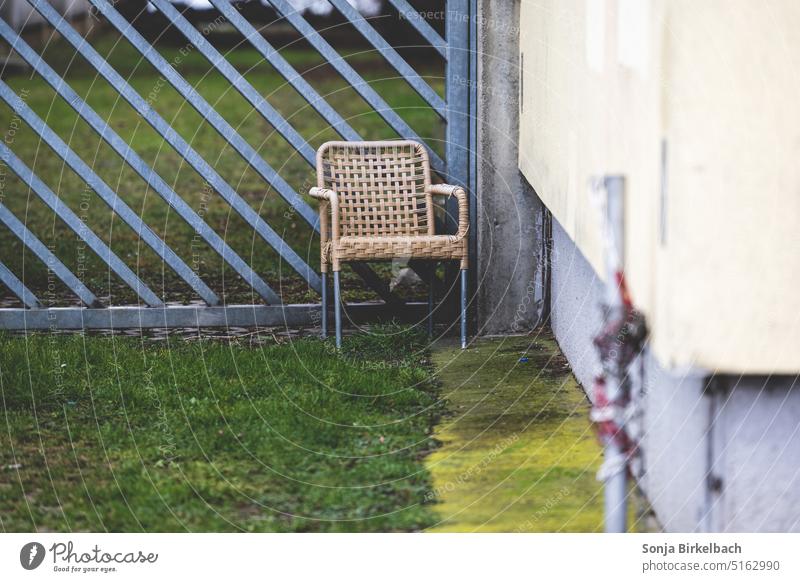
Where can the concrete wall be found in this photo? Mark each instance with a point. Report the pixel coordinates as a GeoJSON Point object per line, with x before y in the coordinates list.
{"type": "Point", "coordinates": [510, 288]}
{"type": "Point", "coordinates": [751, 452]}
{"type": "Point", "coordinates": [675, 418]}
{"type": "Point", "coordinates": [711, 225]}
{"type": "Point", "coordinates": [693, 104]}
{"type": "Point", "coordinates": [757, 454]}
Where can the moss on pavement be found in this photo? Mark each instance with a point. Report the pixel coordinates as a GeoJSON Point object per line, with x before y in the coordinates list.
{"type": "Point", "coordinates": [518, 453]}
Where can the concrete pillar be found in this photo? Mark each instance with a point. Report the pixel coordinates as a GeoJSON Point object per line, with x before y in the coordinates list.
{"type": "Point", "coordinates": [510, 277]}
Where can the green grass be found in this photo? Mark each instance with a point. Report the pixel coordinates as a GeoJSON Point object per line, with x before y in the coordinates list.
{"type": "Point", "coordinates": [184, 180]}
{"type": "Point", "coordinates": [123, 434]}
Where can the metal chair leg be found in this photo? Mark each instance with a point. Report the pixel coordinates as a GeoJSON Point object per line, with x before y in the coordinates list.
{"type": "Point", "coordinates": [324, 305]}
{"type": "Point", "coordinates": [431, 297]}
{"type": "Point", "coordinates": [337, 307]}
{"type": "Point", "coordinates": [463, 308]}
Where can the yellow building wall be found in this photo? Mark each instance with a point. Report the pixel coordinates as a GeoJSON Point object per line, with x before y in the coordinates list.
{"type": "Point", "coordinates": [715, 262]}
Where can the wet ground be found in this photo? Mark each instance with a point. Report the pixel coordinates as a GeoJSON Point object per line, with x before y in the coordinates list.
{"type": "Point", "coordinates": [518, 452]}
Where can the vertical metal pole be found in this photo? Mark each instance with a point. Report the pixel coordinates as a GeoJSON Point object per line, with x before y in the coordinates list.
{"type": "Point", "coordinates": [458, 87]}
{"type": "Point", "coordinates": [472, 190]}
{"type": "Point", "coordinates": [324, 305]}
{"type": "Point", "coordinates": [337, 308]}
{"type": "Point", "coordinates": [615, 257]}
{"type": "Point", "coordinates": [463, 308]}
{"type": "Point", "coordinates": [616, 485]}
{"type": "Point", "coordinates": [616, 493]}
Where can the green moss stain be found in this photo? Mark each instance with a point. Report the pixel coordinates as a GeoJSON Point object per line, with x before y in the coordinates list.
{"type": "Point", "coordinates": [518, 452]}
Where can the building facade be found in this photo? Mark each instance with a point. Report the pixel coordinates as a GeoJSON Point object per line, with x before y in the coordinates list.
{"type": "Point", "coordinates": [693, 103]}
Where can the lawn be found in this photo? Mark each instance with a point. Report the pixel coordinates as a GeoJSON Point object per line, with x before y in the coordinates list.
{"type": "Point", "coordinates": [128, 434]}
{"type": "Point", "coordinates": [184, 180]}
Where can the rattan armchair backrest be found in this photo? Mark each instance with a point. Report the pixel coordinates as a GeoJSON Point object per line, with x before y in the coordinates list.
{"type": "Point", "coordinates": [383, 187]}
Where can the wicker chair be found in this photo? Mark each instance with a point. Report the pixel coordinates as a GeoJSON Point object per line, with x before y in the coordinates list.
{"type": "Point", "coordinates": [380, 200]}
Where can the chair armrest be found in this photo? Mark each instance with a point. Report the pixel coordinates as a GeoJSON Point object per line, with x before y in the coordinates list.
{"type": "Point", "coordinates": [444, 189]}
{"type": "Point", "coordinates": [322, 193]}
{"type": "Point", "coordinates": [463, 204]}
{"type": "Point", "coordinates": [327, 198]}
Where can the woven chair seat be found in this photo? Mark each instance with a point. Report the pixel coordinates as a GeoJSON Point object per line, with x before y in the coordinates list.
{"type": "Point", "coordinates": [435, 247]}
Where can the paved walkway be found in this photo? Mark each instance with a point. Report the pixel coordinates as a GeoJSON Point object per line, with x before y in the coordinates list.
{"type": "Point", "coordinates": [518, 450]}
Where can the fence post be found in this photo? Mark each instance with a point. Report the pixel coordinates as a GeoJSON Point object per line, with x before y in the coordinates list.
{"type": "Point", "coordinates": [459, 89]}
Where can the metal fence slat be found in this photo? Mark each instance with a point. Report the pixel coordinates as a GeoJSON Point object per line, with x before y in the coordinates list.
{"type": "Point", "coordinates": [79, 227]}
{"type": "Point", "coordinates": [205, 109]}
{"type": "Point", "coordinates": [319, 104]}
{"type": "Point", "coordinates": [137, 163]}
{"type": "Point", "coordinates": [169, 135]}
{"type": "Point", "coordinates": [390, 54]}
{"type": "Point", "coordinates": [409, 13]}
{"type": "Point", "coordinates": [189, 316]}
{"type": "Point", "coordinates": [220, 63]}
{"type": "Point", "coordinates": [230, 135]}
{"type": "Point", "coordinates": [458, 95]}
{"type": "Point", "coordinates": [108, 196]}
{"type": "Point", "coordinates": [245, 89]}
{"type": "Point", "coordinates": [336, 121]}
{"type": "Point", "coordinates": [166, 131]}
{"type": "Point", "coordinates": [18, 288]}
{"type": "Point", "coordinates": [179, 316]}
{"type": "Point", "coordinates": [350, 75]}
{"type": "Point", "coordinates": [45, 255]}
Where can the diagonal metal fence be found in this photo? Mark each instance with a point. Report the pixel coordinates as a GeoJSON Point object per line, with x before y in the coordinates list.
{"type": "Point", "coordinates": [457, 166]}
